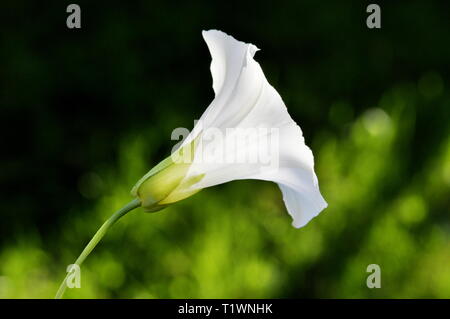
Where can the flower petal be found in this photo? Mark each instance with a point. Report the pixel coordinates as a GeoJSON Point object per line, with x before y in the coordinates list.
{"type": "Point", "coordinates": [230, 72]}
{"type": "Point", "coordinates": [245, 100]}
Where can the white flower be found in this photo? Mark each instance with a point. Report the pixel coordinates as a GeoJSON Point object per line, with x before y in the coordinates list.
{"type": "Point", "coordinates": [244, 101]}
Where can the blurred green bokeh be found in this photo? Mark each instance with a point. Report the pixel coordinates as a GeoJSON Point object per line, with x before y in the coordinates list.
{"type": "Point", "coordinates": [90, 112]}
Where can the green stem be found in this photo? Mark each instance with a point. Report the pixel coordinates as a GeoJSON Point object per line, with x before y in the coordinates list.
{"type": "Point", "coordinates": [97, 237]}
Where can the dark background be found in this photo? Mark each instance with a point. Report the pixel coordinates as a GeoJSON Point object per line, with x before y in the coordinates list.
{"type": "Point", "coordinates": [73, 100]}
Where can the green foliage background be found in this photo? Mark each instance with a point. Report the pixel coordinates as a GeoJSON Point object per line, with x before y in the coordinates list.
{"type": "Point", "coordinates": [87, 112]}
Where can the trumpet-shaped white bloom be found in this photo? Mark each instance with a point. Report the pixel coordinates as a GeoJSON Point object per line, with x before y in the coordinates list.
{"type": "Point", "coordinates": [245, 133]}
{"type": "Point", "coordinates": [244, 102]}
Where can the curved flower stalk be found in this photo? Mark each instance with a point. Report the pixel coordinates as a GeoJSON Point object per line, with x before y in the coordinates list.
{"type": "Point", "coordinates": [245, 133]}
